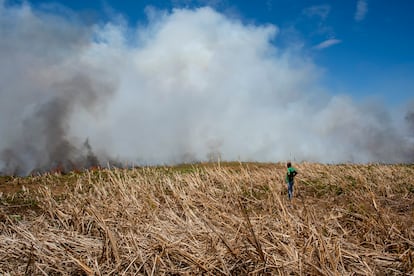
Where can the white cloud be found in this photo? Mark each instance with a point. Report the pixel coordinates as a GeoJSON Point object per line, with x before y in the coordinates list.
{"type": "Point", "coordinates": [361, 10]}
{"type": "Point", "coordinates": [321, 11]}
{"type": "Point", "coordinates": [327, 43]}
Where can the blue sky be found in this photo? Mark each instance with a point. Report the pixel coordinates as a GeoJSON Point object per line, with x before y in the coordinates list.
{"type": "Point", "coordinates": [364, 47]}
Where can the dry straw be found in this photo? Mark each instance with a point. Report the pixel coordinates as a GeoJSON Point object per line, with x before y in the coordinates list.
{"type": "Point", "coordinates": [229, 220]}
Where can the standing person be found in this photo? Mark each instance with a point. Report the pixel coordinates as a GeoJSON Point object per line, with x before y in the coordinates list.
{"type": "Point", "coordinates": [290, 179]}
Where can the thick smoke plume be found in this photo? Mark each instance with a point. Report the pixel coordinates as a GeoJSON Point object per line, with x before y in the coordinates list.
{"type": "Point", "coordinates": [189, 85]}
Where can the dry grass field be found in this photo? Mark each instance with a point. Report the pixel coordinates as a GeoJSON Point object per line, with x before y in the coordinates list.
{"type": "Point", "coordinates": [228, 219]}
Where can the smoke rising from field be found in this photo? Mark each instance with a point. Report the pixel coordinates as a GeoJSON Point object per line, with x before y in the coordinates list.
{"type": "Point", "coordinates": [189, 85]}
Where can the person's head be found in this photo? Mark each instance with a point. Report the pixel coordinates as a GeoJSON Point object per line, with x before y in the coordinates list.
{"type": "Point", "coordinates": [289, 164]}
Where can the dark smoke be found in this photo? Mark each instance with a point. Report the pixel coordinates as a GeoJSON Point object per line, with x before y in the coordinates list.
{"type": "Point", "coordinates": [43, 81]}
{"type": "Point", "coordinates": [410, 122]}
{"type": "Point", "coordinates": [45, 142]}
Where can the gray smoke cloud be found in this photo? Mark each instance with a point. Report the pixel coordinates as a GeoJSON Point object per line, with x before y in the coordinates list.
{"type": "Point", "coordinates": [410, 121]}
{"type": "Point", "coordinates": [190, 85]}
{"type": "Point", "coordinates": [44, 78]}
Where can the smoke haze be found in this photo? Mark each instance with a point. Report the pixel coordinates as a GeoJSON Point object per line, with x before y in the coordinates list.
{"type": "Point", "coordinates": [190, 85]}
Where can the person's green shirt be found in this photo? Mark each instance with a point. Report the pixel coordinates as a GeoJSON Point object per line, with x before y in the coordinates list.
{"type": "Point", "coordinates": [291, 172]}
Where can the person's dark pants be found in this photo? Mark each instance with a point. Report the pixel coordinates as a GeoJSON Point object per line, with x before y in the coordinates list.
{"type": "Point", "coordinates": [290, 189]}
